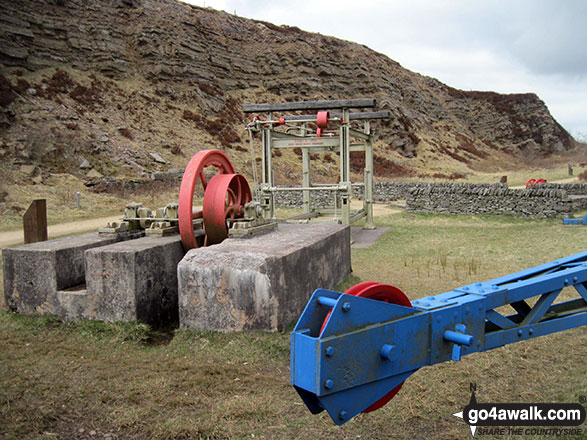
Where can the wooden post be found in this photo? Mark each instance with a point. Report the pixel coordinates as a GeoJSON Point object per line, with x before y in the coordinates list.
{"type": "Point", "coordinates": [34, 222]}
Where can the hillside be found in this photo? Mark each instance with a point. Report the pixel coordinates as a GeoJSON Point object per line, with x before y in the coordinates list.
{"type": "Point", "coordinates": [124, 88]}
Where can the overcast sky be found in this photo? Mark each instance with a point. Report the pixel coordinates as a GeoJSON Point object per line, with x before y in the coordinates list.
{"type": "Point", "coordinates": [508, 46]}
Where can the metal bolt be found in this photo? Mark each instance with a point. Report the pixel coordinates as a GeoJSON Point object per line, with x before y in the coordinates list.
{"type": "Point", "coordinates": [386, 351]}
{"type": "Point", "coordinates": [566, 281]}
{"type": "Point", "coordinates": [342, 415]}
{"type": "Point", "coordinates": [575, 279]}
{"type": "Point", "coordinates": [531, 331]}
{"type": "Point", "coordinates": [477, 284]}
{"type": "Point", "coordinates": [329, 351]}
{"type": "Point", "coordinates": [482, 290]}
{"type": "Point", "coordinates": [465, 288]}
{"type": "Point", "coordinates": [494, 287]}
{"type": "Point", "coordinates": [346, 306]}
{"type": "Point", "coordinates": [520, 332]}
{"type": "Point", "coordinates": [432, 297]}
{"type": "Point", "coordinates": [328, 384]}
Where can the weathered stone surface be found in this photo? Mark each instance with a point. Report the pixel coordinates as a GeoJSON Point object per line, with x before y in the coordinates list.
{"type": "Point", "coordinates": [261, 282]}
{"type": "Point", "coordinates": [133, 281]}
{"type": "Point", "coordinates": [33, 273]}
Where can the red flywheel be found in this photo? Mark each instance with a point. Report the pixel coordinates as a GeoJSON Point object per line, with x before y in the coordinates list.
{"type": "Point", "coordinates": [225, 194]}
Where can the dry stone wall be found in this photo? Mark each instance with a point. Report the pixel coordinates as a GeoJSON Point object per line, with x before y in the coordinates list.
{"type": "Point", "coordinates": [549, 200]}
{"type": "Point", "coordinates": [496, 199]}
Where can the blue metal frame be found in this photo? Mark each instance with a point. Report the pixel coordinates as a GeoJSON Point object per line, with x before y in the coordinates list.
{"type": "Point", "coordinates": [575, 221]}
{"type": "Point", "coordinates": [368, 347]}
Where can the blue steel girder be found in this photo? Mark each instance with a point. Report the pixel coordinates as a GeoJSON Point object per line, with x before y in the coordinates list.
{"type": "Point", "coordinates": [368, 347]}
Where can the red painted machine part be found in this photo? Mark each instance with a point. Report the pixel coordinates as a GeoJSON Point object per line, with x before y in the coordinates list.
{"type": "Point", "coordinates": [379, 292]}
{"type": "Point", "coordinates": [225, 198]}
{"type": "Point", "coordinates": [322, 119]}
{"type": "Point", "coordinates": [194, 172]}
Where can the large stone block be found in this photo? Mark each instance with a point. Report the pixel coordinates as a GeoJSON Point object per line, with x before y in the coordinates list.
{"type": "Point", "coordinates": [262, 282]}
{"type": "Point", "coordinates": [132, 281]}
{"type": "Point", "coordinates": [34, 273]}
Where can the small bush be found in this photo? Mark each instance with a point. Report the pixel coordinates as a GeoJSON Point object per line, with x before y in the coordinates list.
{"type": "Point", "coordinates": [7, 96]}
{"type": "Point", "coordinates": [72, 126]}
{"type": "Point", "coordinates": [87, 95]}
{"type": "Point", "coordinates": [583, 176]}
{"type": "Point", "coordinates": [22, 85]}
{"type": "Point", "coordinates": [190, 116]}
{"type": "Point", "coordinates": [126, 133]}
{"type": "Point", "coordinates": [60, 82]}
{"type": "Point", "coordinates": [176, 149]}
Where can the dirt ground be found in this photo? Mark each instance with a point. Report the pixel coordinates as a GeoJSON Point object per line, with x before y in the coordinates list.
{"type": "Point", "coordinates": [11, 238]}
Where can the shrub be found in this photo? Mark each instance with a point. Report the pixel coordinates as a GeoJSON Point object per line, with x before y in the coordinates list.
{"type": "Point", "coordinates": [176, 149]}
{"type": "Point", "coordinates": [126, 133]}
{"type": "Point", "coordinates": [7, 96]}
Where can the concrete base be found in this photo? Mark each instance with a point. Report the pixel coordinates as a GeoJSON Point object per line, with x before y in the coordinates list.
{"type": "Point", "coordinates": [107, 277]}
{"type": "Point", "coordinates": [262, 282]}
{"type": "Point", "coordinates": [34, 273]}
{"type": "Point", "coordinates": [134, 281]}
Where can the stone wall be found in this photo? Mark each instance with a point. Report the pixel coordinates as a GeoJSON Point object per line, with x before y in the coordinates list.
{"type": "Point", "coordinates": [572, 189]}
{"type": "Point", "coordinates": [494, 199]}
{"type": "Point", "coordinates": [318, 199]}
{"type": "Point", "coordinates": [547, 200]}
{"type": "Point", "coordinates": [389, 191]}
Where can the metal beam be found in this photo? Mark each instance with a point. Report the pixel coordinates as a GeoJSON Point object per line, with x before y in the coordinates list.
{"type": "Point", "coordinates": [310, 105]}
{"type": "Point", "coordinates": [353, 116]}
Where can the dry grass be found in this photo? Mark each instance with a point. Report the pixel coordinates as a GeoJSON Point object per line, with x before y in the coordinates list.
{"type": "Point", "coordinates": [64, 380]}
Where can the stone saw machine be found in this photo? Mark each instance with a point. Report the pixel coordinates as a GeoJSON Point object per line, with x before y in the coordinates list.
{"type": "Point", "coordinates": [351, 352]}
{"type": "Point", "coordinates": [228, 208]}
{"type": "Point", "coordinates": [228, 205]}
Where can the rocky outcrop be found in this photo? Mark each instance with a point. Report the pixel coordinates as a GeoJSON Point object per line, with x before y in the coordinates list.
{"type": "Point", "coordinates": [213, 62]}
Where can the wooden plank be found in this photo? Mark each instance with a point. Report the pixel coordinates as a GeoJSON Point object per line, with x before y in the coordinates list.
{"type": "Point", "coordinates": [34, 222]}
{"type": "Point", "coordinates": [310, 105]}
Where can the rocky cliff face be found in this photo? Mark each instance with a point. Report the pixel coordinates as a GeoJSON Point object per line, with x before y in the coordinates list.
{"type": "Point", "coordinates": [159, 74]}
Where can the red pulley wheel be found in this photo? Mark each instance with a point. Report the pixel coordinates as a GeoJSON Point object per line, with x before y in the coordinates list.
{"type": "Point", "coordinates": [224, 199]}
{"type": "Point", "coordinates": [322, 120]}
{"type": "Point", "coordinates": [384, 293]}
{"type": "Point", "coordinates": [530, 182]}
{"type": "Point", "coordinates": [194, 172]}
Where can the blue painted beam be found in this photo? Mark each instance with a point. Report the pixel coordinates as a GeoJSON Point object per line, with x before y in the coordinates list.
{"type": "Point", "coordinates": [347, 351]}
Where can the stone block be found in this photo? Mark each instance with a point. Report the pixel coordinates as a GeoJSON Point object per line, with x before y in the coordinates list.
{"type": "Point", "coordinates": [35, 272]}
{"type": "Point", "coordinates": [131, 281]}
{"type": "Point", "coordinates": [261, 282]}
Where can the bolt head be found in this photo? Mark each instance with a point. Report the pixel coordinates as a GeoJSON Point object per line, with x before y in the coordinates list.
{"type": "Point", "coordinates": [342, 415]}
{"type": "Point", "coordinates": [520, 332]}
{"type": "Point", "coordinates": [329, 351]}
{"type": "Point", "coordinates": [346, 307]}
{"type": "Point", "coordinates": [329, 384]}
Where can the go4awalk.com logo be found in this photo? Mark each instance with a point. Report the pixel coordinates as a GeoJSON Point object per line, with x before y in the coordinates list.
{"type": "Point", "coordinates": [544, 419]}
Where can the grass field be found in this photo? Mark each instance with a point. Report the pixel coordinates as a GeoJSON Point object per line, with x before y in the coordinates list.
{"type": "Point", "coordinates": [118, 381]}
